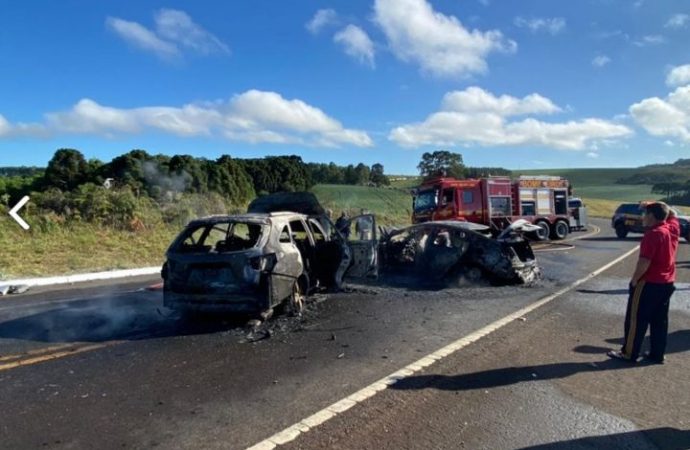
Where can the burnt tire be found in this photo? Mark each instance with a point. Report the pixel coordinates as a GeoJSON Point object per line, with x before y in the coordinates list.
{"type": "Point", "coordinates": [621, 231]}
{"type": "Point", "coordinates": [544, 233]}
{"type": "Point", "coordinates": [560, 230]}
{"type": "Point", "coordinates": [296, 302]}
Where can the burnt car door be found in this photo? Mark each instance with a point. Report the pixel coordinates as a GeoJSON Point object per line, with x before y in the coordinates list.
{"type": "Point", "coordinates": [363, 243]}
{"type": "Point", "coordinates": [288, 265]}
{"type": "Point", "coordinates": [330, 253]}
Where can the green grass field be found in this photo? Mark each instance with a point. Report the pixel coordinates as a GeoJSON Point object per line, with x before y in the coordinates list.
{"type": "Point", "coordinates": [583, 177]}
{"type": "Point", "coordinates": [76, 248]}
{"type": "Point", "coordinates": [392, 206]}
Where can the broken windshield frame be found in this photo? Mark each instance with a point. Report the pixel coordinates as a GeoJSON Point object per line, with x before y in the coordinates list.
{"type": "Point", "coordinates": [221, 237]}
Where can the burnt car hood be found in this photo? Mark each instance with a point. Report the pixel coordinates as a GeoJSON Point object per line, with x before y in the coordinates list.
{"type": "Point", "coordinates": [298, 202]}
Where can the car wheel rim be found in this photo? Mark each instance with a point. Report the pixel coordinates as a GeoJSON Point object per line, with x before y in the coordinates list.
{"type": "Point", "coordinates": [297, 299]}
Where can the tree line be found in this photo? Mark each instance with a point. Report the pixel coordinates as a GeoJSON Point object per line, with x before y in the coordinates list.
{"type": "Point", "coordinates": [137, 188]}
{"type": "Point", "coordinates": [670, 180]}
{"type": "Point", "coordinates": [127, 187]}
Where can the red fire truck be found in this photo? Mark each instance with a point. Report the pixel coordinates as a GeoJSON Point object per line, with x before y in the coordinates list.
{"type": "Point", "coordinates": [498, 201]}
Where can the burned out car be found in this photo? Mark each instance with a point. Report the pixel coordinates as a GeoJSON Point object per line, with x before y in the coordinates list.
{"type": "Point", "coordinates": [252, 262]}
{"type": "Point", "coordinates": [447, 250]}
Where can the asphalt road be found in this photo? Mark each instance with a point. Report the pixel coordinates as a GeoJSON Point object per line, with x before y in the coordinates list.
{"type": "Point", "coordinates": [106, 366]}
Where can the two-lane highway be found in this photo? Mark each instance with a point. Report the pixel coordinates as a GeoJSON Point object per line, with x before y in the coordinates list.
{"type": "Point", "coordinates": [105, 365]}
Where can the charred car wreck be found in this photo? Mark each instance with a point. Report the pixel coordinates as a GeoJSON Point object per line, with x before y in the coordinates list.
{"type": "Point", "coordinates": [253, 262]}
{"type": "Point", "coordinates": [286, 247]}
{"type": "Point", "coordinates": [447, 250]}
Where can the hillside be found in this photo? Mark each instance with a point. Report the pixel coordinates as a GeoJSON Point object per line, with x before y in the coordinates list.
{"type": "Point", "coordinates": [392, 206]}
{"type": "Point", "coordinates": [600, 183]}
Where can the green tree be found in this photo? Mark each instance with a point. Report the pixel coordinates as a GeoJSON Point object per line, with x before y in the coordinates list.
{"type": "Point", "coordinates": [350, 175]}
{"type": "Point", "coordinates": [441, 163]}
{"type": "Point", "coordinates": [66, 170]}
{"type": "Point", "coordinates": [363, 173]}
{"type": "Point", "coordinates": [667, 189]}
{"type": "Point", "coordinates": [377, 176]}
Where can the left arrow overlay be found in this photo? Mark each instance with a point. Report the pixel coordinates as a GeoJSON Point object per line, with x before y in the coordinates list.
{"type": "Point", "coordinates": [17, 207]}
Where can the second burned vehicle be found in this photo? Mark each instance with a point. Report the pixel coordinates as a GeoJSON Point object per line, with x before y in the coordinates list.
{"type": "Point", "coordinates": [286, 247]}
{"type": "Point", "coordinates": [446, 250]}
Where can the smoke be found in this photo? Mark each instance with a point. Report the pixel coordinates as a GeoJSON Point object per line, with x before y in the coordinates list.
{"type": "Point", "coordinates": [169, 184]}
{"type": "Point", "coordinates": [98, 318]}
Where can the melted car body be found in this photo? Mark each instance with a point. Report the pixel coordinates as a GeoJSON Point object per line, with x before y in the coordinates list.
{"type": "Point", "coordinates": [438, 251]}
{"type": "Point", "coordinates": [251, 262]}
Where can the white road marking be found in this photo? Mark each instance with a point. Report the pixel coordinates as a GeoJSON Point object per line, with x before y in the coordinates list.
{"type": "Point", "coordinates": [596, 231]}
{"type": "Point", "coordinates": [291, 433]}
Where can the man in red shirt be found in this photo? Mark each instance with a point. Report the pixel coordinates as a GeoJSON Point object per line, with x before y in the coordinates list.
{"type": "Point", "coordinates": [651, 287]}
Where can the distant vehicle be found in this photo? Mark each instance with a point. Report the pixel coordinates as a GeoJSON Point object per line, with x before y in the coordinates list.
{"type": "Point", "coordinates": [628, 219]}
{"type": "Point", "coordinates": [498, 201]}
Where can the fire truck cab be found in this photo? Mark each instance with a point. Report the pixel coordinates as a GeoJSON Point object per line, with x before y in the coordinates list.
{"type": "Point", "coordinates": [497, 202]}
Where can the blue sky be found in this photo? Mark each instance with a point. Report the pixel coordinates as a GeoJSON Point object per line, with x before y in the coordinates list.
{"type": "Point", "coordinates": [528, 84]}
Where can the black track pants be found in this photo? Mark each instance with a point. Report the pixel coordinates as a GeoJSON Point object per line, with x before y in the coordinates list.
{"type": "Point", "coordinates": [647, 307]}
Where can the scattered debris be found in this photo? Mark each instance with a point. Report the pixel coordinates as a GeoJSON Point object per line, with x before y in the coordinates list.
{"type": "Point", "coordinates": [13, 289]}
{"type": "Point", "coordinates": [341, 356]}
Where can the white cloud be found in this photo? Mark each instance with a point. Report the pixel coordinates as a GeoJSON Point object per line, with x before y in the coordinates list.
{"type": "Point", "coordinates": [142, 37]}
{"type": "Point", "coordinates": [477, 117]}
{"type": "Point", "coordinates": [253, 116]}
{"type": "Point", "coordinates": [593, 155]}
{"type": "Point", "coordinates": [677, 21]}
{"type": "Point", "coordinates": [177, 26]}
{"type": "Point", "coordinates": [668, 117]}
{"type": "Point", "coordinates": [438, 43]}
{"type": "Point", "coordinates": [553, 25]}
{"type": "Point", "coordinates": [174, 30]}
{"type": "Point", "coordinates": [5, 127]}
{"type": "Point", "coordinates": [648, 40]}
{"type": "Point", "coordinates": [678, 76]}
{"type": "Point", "coordinates": [476, 100]}
{"type": "Point", "coordinates": [322, 18]}
{"type": "Point", "coordinates": [601, 61]}
{"type": "Point", "coordinates": [356, 44]}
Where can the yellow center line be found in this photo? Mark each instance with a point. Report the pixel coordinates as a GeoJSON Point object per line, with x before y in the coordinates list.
{"type": "Point", "coordinates": [38, 351]}
{"type": "Point", "coordinates": [56, 354]}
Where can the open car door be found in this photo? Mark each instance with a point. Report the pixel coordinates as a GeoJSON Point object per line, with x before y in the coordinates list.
{"type": "Point", "coordinates": [362, 239]}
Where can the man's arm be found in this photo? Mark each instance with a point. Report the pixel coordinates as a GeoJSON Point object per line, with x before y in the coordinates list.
{"type": "Point", "coordinates": [640, 269]}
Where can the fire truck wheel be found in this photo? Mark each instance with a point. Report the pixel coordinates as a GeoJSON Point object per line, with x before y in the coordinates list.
{"type": "Point", "coordinates": [545, 231]}
{"type": "Point", "coordinates": [560, 230]}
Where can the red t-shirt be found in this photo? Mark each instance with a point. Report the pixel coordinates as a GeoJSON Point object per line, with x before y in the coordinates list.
{"type": "Point", "coordinates": [659, 246]}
